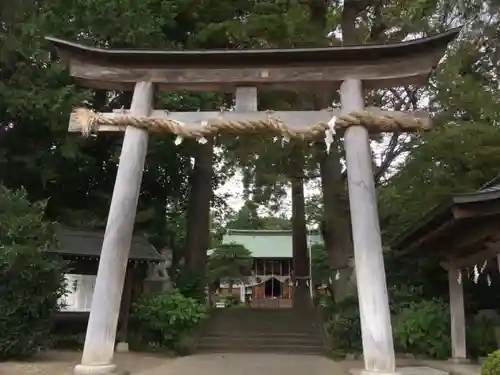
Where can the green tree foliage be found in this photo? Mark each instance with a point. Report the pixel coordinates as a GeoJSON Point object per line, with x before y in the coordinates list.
{"type": "Point", "coordinates": [191, 284]}
{"type": "Point", "coordinates": [460, 154]}
{"type": "Point", "coordinates": [248, 218]}
{"type": "Point", "coordinates": [450, 160]}
{"type": "Point", "coordinates": [30, 281]}
{"type": "Point", "coordinates": [231, 262]}
{"type": "Point", "coordinates": [320, 266]}
{"type": "Point", "coordinates": [37, 94]}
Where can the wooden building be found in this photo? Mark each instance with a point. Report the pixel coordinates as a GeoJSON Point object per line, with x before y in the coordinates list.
{"type": "Point", "coordinates": [463, 234]}
{"type": "Point", "coordinates": [271, 281]}
{"type": "Point", "coordinates": [82, 249]}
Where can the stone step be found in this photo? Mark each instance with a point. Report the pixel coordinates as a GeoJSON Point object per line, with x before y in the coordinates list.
{"type": "Point", "coordinates": [291, 325]}
{"type": "Point", "coordinates": [253, 311]}
{"type": "Point", "coordinates": [296, 318]}
{"type": "Point", "coordinates": [287, 322]}
{"type": "Point", "coordinates": [261, 330]}
{"type": "Point", "coordinates": [222, 347]}
{"type": "Point", "coordinates": [239, 334]}
{"type": "Point", "coordinates": [259, 341]}
{"type": "Point", "coordinates": [259, 317]}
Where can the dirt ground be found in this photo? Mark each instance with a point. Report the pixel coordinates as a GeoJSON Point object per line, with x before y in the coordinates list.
{"type": "Point", "coordinates": [62, 363]}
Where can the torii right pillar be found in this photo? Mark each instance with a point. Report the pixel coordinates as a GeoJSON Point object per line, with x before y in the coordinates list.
{"type": "Point", "coordinates": [378, 346]}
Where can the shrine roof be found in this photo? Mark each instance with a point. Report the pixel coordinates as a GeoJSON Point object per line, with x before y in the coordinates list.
{"type": "Point", "coordinates": [266, 243]}
{"type": "Point", "coordinates": [462, 224]}
{"type": "Point", "coordinates": [246, 57]}
{"type": "Point", "coordinates": [88, 243]}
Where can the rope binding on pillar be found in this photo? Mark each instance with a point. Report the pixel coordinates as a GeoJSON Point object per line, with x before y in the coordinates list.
{"type": "Point", "coordinates": [375, 121]}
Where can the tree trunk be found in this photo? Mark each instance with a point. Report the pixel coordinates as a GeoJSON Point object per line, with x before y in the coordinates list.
{"type": "Point", "coordinates": [299, 230]}
{"type": "Point", "coordinates": [301, 258]}
{"type": "Point", "coordinates": [198, 216]}
{"type": "Point", "coordinates": [336, 228]}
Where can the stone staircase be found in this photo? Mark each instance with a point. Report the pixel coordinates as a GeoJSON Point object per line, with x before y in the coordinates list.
{"type": "Point", "coordinates": [286, 330]}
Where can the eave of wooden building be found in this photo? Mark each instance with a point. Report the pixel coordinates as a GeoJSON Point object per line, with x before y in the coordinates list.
{"type": "Point", "coordinates": [379, 65]}
{"type": "Point", "coordinates": [74, 243]}
{"type": "Point", "coordinates": [465, 227]}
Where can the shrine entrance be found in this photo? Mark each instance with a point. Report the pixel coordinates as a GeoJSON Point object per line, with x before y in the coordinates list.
{"type": "Point", "coordinates": [352, 69]}
{"type": "Point", "coordinates": [273, 288]}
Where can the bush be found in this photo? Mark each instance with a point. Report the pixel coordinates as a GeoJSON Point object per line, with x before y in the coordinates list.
{"type": "Point", "coordinates": [343, 326]}
{"type": "Point", "coordinates": [185, 345]}
{"type": "Point", "coordinates": [31, 282]}
{"type": "Point", "coordinates": [167, 320]}
{"type": "Point", "coordinates": [481, 337]}
{"type": "Point", "coordinates": [424, 328]}
{"type": "Point", "coordinates": [229, 300]}
{"type": "Point", "coordinates": [491, 365]}
{"type": "Point", "coordinates": [69, 341]}
{"type": "Point", "coordinates": [232, 301]}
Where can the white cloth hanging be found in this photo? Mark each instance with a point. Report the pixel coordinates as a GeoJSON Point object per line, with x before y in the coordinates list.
{"type": "Point", "coordinates": [260, 279]}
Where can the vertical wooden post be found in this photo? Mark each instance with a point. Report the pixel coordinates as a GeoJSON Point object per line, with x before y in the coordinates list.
{"type": "Point", "coordinates": [378, 346]}
{"type": "Point", "coordinates": [246, 99]}
{"type": "Point", "coordinates": [457, 314]}
{"type": "Point", "coordinates": [99, 346]}
{"type": "Point", "coordinates": [122, 343]}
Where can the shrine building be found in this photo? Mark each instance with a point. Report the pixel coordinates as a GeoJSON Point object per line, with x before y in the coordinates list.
{"type": "Point", "coordinates": [271, 281]}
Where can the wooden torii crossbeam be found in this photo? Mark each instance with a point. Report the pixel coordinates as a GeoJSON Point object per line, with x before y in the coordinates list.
{"type": "Point", "coordinates": [350, 69]}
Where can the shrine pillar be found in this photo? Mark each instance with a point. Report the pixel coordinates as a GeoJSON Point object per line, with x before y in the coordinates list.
{"type": "Point", "coordinates": [457, 315]}
{"type": "Point", "coordinates": [378, 346]}
{"type": "Point", "coordinates": [97, 358]}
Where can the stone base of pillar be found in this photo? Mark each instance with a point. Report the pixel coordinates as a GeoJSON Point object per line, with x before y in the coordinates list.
{"type": "Point", "coordinates": [459, 360]}
{"type": "Point", "coordinates": [404, 370]}
{"type": "Point", "coordinates": [122, 347]}
{"type": "Point", "coordinates": [357, 371]}
{"type": "Point", "coordinates": [98, 370]}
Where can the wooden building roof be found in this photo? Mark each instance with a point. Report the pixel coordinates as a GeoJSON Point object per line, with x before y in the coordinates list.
{"type": "Point", "coordinates": [464, 226]}
{"type": "Point", "coordinates": [380, 65]}
{"type": "Point", "coordinates": [270, 244]}
{"type": "Point", "coordinates": [82, 243]}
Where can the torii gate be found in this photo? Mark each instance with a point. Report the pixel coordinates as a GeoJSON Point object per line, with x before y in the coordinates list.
{"type": "Point", "coordinates": [243, 71]}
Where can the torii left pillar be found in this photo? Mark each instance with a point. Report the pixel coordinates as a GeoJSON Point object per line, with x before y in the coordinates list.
{"type": "Point", "coordinates": [97, 358]}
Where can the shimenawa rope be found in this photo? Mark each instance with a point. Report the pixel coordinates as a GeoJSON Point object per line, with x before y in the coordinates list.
{"type": "Point", "coordinates": [387, 121]}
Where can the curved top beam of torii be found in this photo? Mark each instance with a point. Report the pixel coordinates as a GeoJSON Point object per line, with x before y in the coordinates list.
{"type": "Point", "coordinates": [377, 65]}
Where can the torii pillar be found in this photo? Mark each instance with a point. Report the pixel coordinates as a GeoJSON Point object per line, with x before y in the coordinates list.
{"type": "Point", "coordinates": [378, 346]}
{"type": "Point", "coordinates": [97, 358]}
